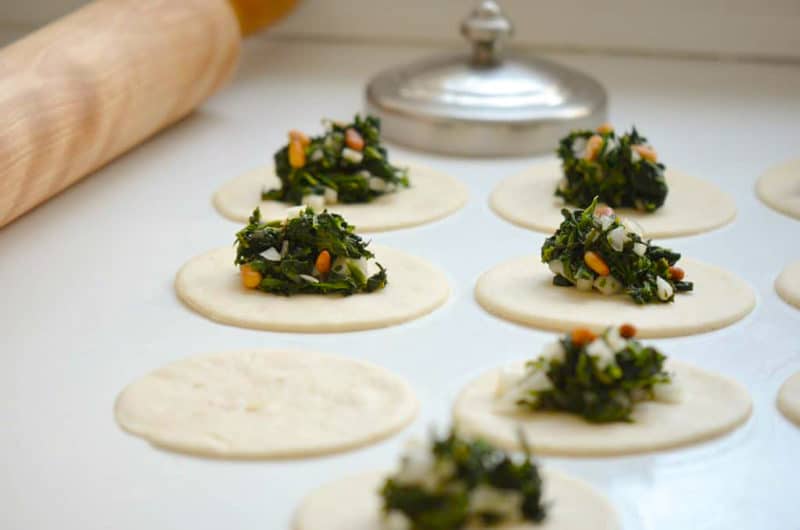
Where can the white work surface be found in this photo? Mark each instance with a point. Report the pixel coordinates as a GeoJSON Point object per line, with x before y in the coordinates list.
{"type": "Point", "coordinates": [88, 304]}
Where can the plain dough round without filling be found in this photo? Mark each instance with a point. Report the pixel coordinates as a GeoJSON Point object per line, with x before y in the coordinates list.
{"type": "Point", "coordinates": [266, 404]}
{"type": "Point", "coordinates": [788, 284]}
{"type": "Point", "coordinates": [354, 504]}
{"type": "Point", "coordinates": [692, 206]}
{"type": "Point", "coordinates": [779, 188]}
{"type": "Point", "coordinates": [210, 284]}
{"type": "Point", "coordinates": [712, 406]}
{"type": "Point", "coordinates": [431, 196]}
{"type": "Point", "coordinates": [522, 290]}
{"type": "Point", "coordinates": [789, 398]}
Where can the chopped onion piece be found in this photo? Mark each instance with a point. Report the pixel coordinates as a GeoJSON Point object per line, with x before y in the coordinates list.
{"type": "Point", "coordinates": [584, 284]}
{"type": "Point", "coordinates": [607, 285]}
{"type": "Point", "coordinates": [616, 238]}
{"type": "Point", "coordinates": [309, 279]}
{"type": "Point", "coordinates": [331, 196]}
{"type": "Point", "coordinates": [271, 254]}
{"type": "Point", "coordinates": [663, 289]}
{"type": "Point", "coordinates": [352, 155]}
{"type": "Point", "coordinates": [315, 202]}
{"type": "Point", "coordinates": [316, 155]}
{"type": "Point", "coordinates": [601, 351]}
{"type": "Point", "coordinates": [639, 248]}
{"type": "Point", "coordinates": [556, 266]}
{"type": "Point", "coordinates": [377, 184]}
{"type": "Point", "coordinates": [671, 392]}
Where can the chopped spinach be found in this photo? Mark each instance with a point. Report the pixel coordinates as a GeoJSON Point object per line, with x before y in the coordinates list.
{"type": "Point", "coordinates": [311, 253]}
{"type": "Point", "coordinates": [453, 483]}
{"type": "Point", "coordinates": [598, 378]}
{"type": "Point", "coordinates": [347, 164]}
{"type": "Point", "coordinates": [621, 170]}
{"type": "Point", "coordinates": [596, 249]}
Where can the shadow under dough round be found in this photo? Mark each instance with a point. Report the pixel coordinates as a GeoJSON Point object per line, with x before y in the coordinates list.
{"type": "Point", "coordinates": [787, 284]}
{"type": "Point", "coordinates": [712, 405]}
{"type": "Point", "coordinates": [521, 290]}
{"type": "Point", "coordinates": [779, 188]}
{"type": "Point", "coordinates": [431, 196]}
{"type": "Point", "coordinates": [692, 206]}
{"type": "Point", "coordinates": [266, 404]}
{"type": "Point", "coordinates": [789, 398]}
{"type": "Point", "coordinates": [210, 284]}
{"type": "Point", "coordinates": [353, 503]}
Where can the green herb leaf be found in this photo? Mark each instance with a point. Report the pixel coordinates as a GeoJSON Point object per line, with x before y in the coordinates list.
{"type": "Point", "coordinates": [599, 390]}
{"type": "Point", "coordinates": [326, 169]}
{"type": "Point", "coordinates": [617, 175]}
{"type": "Point", "coordinates": [443, 498]}
{"type": "Point", "coordinates": [643, 270]}
{"type": "Point", "coordinates": [285, 255]}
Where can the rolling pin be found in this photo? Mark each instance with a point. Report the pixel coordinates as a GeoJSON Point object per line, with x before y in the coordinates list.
{"type": "Point", "coordinates": [83, 90]}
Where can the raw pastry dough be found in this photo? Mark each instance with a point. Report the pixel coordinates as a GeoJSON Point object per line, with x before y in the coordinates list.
{"type": "Point", "coordinates": [788, 284]}
{"type": "Point", "coordinates": [431, 196]}
{"type": "Point", "coordinates": [789, 398]}
{"type": "Point", "coordinates": [692, 206]}
{"type": "Point", "coordinates": [712, 405]}
{"type": "Point", "coordinates": [779, 188]}
{"type": "Point", "coordinates": [210, 284]}
{"type": "Point", "coordinates": [266, 404]}
{"type": "Point", "coordinates": [522, 290]}
{"type": "Point", "coordinates": [354, 504]}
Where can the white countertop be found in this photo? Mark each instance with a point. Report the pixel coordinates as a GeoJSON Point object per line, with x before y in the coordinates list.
{"type": "Point", "coordinates": [88, 305]}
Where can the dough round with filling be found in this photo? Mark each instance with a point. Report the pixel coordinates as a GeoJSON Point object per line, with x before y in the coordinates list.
{"type": "Point", "coordinates": [522, 290]}
{"type": "Point", "coordinates": [779, 188]}
{"type": "Point", "coordinates": [354, 503]}
{"type": "Point", "coordinates": [692, 206]}
{"type": "Point", "coordinates": [789, 398]}
{"type": "Point", "coordinates": [266, 404]}
{"type": "Point", "coordinates": [788, 284]}
{"type": "Point", "coordinates": [210, 284]}
{"type": "Point", "coordinates": [431, 196]}
{"type": "Point", "coordinates": [712, 405]}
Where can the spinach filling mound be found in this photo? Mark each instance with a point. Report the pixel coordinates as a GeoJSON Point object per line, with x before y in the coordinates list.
{"type": "Point", "coordinates": [347, 164]}
{"type": "Point", "coordinates": [307, 253]}
{"type": "Point", "coordinates": [600, 378]}
{"type": "Point", "coordinates": [623, 171]}
{"type": "Point", "coordinates": [453, 483]}
{"type": "Point", "coordinates": [596, 249]}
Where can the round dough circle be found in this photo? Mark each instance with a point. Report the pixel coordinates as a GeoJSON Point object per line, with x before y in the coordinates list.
{"type": "Point", "coordinates": [789, 398]}
{"type": "Point", "coordinates": [712, 405]}
{"type": "Point", "coordinates": [210, 284]}
{"type": "Point", "coordinates": [788, 284]}
{"type": "Point", "coordinates": [779, 188]}
{"type": "Point", "coordinates": [431, 196]}
{"type": "Point", "coordinates": [692, 206]}
{"type": "Point", "coordinates": [522, 290]}
{"type": "Point", "coordinates": [266, 404]}
{"type": "Point", "coordinates": [354, 503]}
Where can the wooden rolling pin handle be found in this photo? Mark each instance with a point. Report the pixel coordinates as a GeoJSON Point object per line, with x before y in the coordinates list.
{"type": "Point", "coordinates": [88, 87]}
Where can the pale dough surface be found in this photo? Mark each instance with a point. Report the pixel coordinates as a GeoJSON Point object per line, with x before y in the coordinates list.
{"type": "Point", "coordinates": [522, 290]}
{"type": "Point", "coordinates": [692, 205]}
{"type": "Point", "coordinates": [712, 405]}
{"type": "Point", "coordinates": [788, 284]}
{"type": "Point", "coordinates": [354, 504]}
{"type": "Point", "coordinates": [266, 404]}
{"type": "Point", "coordinates": [210, 284]}
{"type": "Point", "coordinates": [779, 188]}
{"type": "Point", "coordinates": [431, 196]}
{"type": "Point", "coordinates": [789, 398]}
